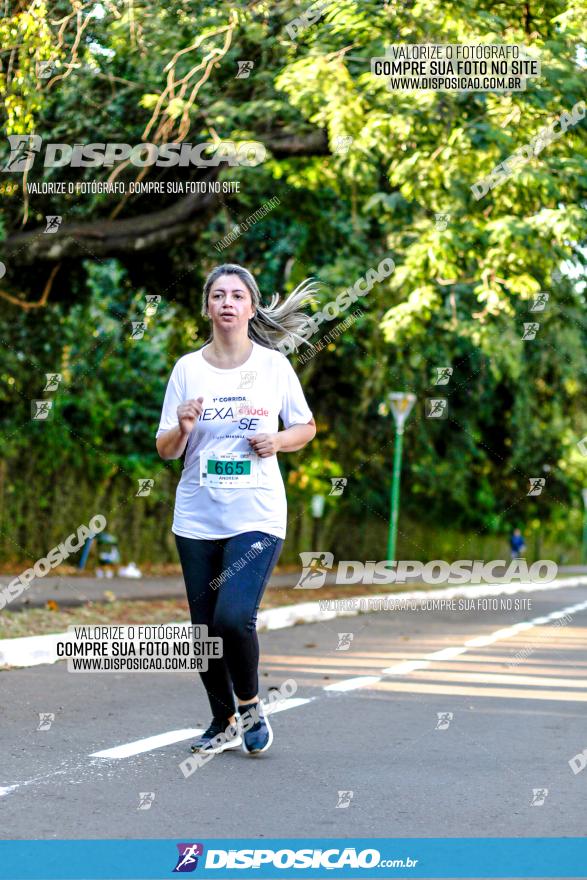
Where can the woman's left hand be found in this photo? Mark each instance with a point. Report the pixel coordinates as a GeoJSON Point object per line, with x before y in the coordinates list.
{"type": "Point", "coordinates": [265, 444]}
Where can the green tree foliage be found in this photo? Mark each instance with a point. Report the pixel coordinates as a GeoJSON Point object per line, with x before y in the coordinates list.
{"type": "Point", "coordinates": [462, 290]}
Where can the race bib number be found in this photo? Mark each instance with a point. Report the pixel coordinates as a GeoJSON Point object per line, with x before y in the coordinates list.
{"type": "Point", "coordinates": [228, 470]}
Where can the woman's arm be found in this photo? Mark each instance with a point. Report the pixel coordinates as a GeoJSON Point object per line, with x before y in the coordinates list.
{"type": "Point", "coordinates": [172, 443]}
{"type": "Point", "coordinates": [296, 437]}
{"type": "Point", "coordinates": [289, 440]}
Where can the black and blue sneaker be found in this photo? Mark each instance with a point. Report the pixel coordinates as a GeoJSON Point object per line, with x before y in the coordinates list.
{"type": "Point", "coordinates": [254, 727]}
{"type": "Point", "coordinates": [220, 736]}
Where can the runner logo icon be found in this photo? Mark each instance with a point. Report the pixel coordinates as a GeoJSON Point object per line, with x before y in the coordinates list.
{"type": "Point", "coordinates": [316, 565]}
{"type": "Point", "coordinates": [188, 857]}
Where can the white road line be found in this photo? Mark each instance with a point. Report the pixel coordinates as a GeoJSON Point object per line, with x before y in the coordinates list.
{"type": "Point", "coordinates": [403, 668]}
{"type": "Point", "coordinates": [291, 703]}
{"type": "Point", "coordinates": [150, 743]}
{"type": "Point", "coordinates": [349, 684]}
{"type": "Point", "coordinates": [448, 653]}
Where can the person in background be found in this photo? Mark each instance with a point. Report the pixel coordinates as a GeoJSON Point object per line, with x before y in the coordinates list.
{"type": "Point", "coordinates": [517, 544]}
{"type": "Point", "coordinates": [108, 555]}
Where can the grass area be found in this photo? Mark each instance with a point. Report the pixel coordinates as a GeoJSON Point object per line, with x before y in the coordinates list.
{"type": "Point", "coordinates": [39, 621]}
{"type": "Point", "coordinates": [53, 618]}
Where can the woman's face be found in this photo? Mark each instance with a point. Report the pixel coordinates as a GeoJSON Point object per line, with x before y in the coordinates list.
{"type": "Point", "coordinates": [230, 304]}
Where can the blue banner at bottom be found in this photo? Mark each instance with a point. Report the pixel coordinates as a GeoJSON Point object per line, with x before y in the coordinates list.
{"type": "Point", "coordinates": [376, 857]}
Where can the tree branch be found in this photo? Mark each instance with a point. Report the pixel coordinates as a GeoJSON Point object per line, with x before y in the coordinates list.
{"type": "Point", "coordinates": [25, 304]}
{"type": "Point", "coordinates": [106, 237]}
{"type": "Point", "coordinates": [284, 146]}
{"type": "Point", "coordinates": [103, 238]}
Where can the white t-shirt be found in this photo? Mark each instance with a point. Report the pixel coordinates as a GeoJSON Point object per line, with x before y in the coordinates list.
{"type": "Point", "coordinates": [238, 403]}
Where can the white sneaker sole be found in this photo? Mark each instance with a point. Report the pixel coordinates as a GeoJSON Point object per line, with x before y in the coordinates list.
{"type": "Point", "coordinates": [267, 744]}
{"type": "Point", "coordinates": [232, 744]}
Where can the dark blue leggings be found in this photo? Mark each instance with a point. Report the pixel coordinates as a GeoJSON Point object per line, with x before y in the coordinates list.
{"type": "Point", "coordinates": [225, 580]}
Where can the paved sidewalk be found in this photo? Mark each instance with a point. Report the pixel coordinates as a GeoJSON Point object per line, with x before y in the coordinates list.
{"type": "Point", "coordinates": [78, 590]}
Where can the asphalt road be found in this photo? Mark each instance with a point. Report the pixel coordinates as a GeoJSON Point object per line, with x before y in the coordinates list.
{"type": "Point", "coordinates": [518, 702]}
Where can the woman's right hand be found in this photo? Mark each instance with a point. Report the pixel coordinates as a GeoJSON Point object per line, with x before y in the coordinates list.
{"type": "Point", "coordinates": [188, 413]}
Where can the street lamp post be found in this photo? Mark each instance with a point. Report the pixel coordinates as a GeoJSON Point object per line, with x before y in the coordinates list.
{"type": "Point", "coordinates": [584, 549]}
{"type": "Point", "coordinates": [317, 505]}
{"type": "Point", "coordinates": [401, 405]}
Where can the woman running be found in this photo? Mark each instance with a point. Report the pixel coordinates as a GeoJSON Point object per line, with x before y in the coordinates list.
{"type": "Point", "coordinates": [221, 407]}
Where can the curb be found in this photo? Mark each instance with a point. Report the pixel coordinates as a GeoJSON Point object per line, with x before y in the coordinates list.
{"type": "Point", "coordinates": [35, 650]}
